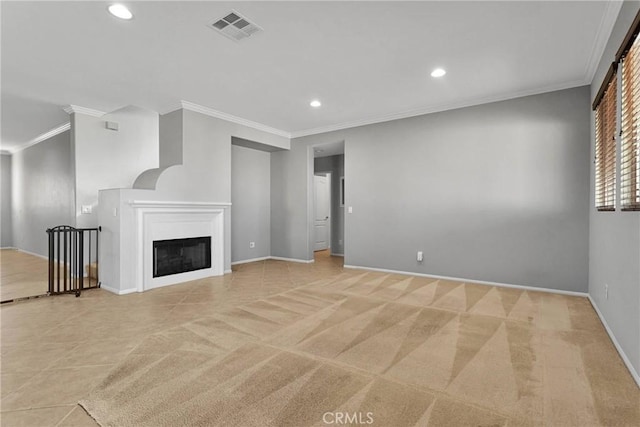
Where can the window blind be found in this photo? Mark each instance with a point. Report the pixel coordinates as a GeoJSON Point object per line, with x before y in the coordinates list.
{"type": "Point", "coordinates": [630, 126]}
{"type": "Point", "coordinates": [605, 155]}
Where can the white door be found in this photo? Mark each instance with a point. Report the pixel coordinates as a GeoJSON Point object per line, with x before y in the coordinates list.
{"type": "Point", "coordinates": [322, 192]}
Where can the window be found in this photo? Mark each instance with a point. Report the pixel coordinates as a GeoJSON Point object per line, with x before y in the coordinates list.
{"type": "Point", "coordinates": [605, 155]}
{"type": "Point", "coordinates": [629, 56]}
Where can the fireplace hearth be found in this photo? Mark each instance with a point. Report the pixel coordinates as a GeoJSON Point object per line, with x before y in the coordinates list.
{"type": "Point", "coordinates": [177, 256]}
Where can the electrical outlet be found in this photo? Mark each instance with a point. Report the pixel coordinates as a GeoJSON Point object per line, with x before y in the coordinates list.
{"type": "Point", "coordinates": [606, 291]}
{"type": "Point", "coordinates": [252, 245]}
{"type": "Point", "coordinates": [420, 256]}
{"type": "Point", "coordinates": [86, 209]}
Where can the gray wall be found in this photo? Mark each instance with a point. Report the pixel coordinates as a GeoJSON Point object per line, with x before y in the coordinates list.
{"type": "Point", "coordinates": [205, 173]}
{"type": "Point", "coordinates": [171, 142]}
{"type": "Point", "coordinates": [291, 208]}
{"type": "Point", "coordinates": [614, 237]}
{"type": "Point", "coordinates": [335, 165]}
{"type": "Point", "coordinates": [111, 159]}
{"type": "Point", "coordinates": [42, 192]}
{"type": "Point", "coordinates": [251, 203]}
{"type": "Point", "coordinates": [497, 192]}
{"type": "Point", "coordinates": [203, 145]}
{"type": "Point", "coordinates": [6, 240]}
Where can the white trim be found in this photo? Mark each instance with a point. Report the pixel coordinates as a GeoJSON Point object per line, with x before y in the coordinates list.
{"type": "Point", "coordinates": [607, 23]}
{"type": "Point", "coordinates": [42, 137]}
{"type": "Point", "coordinates": [118, 291]}
{"type": "Point", "coordinates": [8, 248]}
{"type": "Point", "coordinates": [438, 108]}
{"type": "Point", "coordinates": [171, 204]}
{"type": "Point", "coordinates": [623, 355]}
{"type": "Point", "coordinates": [33, 253]}
{"type": "Point", "coordinates": [336, 254]}
{"type": "Point", "coordinates": [186, 105]}
{"type": "Point", "coordinates": [388, 117]}
{"type": "Point", "coordinates": [478, 282]}
{"type": "Point", "coordinates": [228, 272]}
{"type": "Point", "coordinates": [246, 261]}
{"type": "Point", "coordinates": [304, 261]}
{"type": "Point", "coordinates": [148, 212]}
{"type": "Point", "coordinates": [83, 110]}
{"type": "Point", "coordinates": [276, 258]}
{"type": "Point", "coordinates": [58, 129]}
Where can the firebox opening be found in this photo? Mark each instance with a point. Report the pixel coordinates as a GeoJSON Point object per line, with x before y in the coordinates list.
{"type": "Point", "coordinates": [181, 255]}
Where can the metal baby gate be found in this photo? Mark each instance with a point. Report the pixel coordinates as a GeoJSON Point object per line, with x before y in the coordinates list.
{"type": "Point", "coordinates": [73, 259]}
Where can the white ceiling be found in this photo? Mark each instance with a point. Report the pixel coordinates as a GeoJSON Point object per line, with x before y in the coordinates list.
{"type": "Point", "coordinates": [366, 61]}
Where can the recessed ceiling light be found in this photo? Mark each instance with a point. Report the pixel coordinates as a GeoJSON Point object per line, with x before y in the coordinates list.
{"type": "Point", "coordinates": [438, 72]}
{"type": "Point", "coordinates": [315, 103]}
{"type": "Point", "coordinates": [120, 11]}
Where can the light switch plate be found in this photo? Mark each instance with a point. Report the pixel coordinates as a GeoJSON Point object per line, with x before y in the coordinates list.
{"type": "Point", "coordinates": [86, 209]}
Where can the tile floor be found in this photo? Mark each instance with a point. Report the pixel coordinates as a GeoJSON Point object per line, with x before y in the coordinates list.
{"type": "Point", "coordinates": [54, 350]}
{"type": "Point", "coordinates": [22, 275]}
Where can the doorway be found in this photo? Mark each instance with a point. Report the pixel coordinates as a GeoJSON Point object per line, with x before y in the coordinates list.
{"type": "Point", "coordinates": [325, 218]}
{"type": "Point", "coordinates": [322, 211]}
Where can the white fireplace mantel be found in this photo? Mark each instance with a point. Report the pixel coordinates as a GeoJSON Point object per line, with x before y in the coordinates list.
{"type": "Point", "coordinates": [162, 220]}
{"type": "Point", "coordinates": [172, 204]}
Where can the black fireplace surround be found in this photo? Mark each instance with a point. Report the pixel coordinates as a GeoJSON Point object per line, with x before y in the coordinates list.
{"type": "Point", "coordinates": [181, 255]}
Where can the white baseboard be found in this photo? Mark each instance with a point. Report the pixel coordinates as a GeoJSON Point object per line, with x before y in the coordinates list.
{"type": "Point", "coordinates": [8, 247]}
{"type": "Point", "coordinates": [335, 254]}
{"type": "Point", "coordinates": [33, 253]}
{"type": "Point", "coordinates": [228, 272]}
{"type": "Point", "coordinates": [245, 261]}
{"type": "Point", "coordinates": [478, 282]}
{"type": "Point", "coordinates": [118, 291]}
{"type": "Point", "coordinates": [277, 258]}
{"type": "Point", "coordinates": [304, 261]}
{"type": "Point", "coordinates": [621, 352]}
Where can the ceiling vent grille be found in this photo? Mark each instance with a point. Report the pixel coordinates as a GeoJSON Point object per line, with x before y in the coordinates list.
{"type": "Point", "coordinates": [234, 26]}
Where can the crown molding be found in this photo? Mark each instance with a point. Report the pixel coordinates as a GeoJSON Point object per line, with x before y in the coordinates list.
{"type": "Point", "coordinates": [83, 110]}
{"type": "Point", "coordinates": [186, 105]}
{"type": "Point", "coordinates": [191, 106]}
{"type": "Point", "coordinates": [608, 21]}
{"type": "Point", "coordinates": [437, 109]}
{"type": "Point", "coordinates": [4, 152]}
{"type": "Point", "coordinates": [43, 137]}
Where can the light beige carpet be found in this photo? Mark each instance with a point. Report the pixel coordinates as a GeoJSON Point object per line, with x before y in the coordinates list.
{"type": "Point", "coordinates": [388, 349]}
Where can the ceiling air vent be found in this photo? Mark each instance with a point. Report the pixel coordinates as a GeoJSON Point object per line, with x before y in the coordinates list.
{"type": "Point", "coordinates": [234, 26]}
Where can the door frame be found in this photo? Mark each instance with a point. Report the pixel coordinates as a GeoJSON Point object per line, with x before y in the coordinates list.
{"type": "Point", "coordinates": [329, 176]}
{"type": "Point", "coordinates": [310, 209]}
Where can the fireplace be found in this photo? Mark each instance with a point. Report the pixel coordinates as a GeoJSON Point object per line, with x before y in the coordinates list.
{"type": "Point", "coordinates": [168, 222]}
{"type": "Point", "coordinates": [177, 256]}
